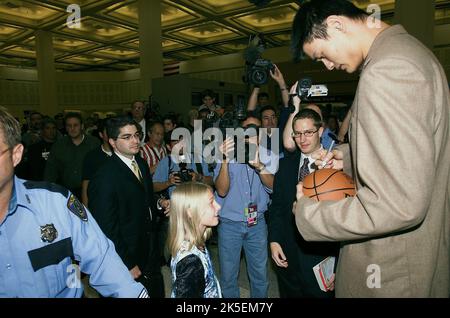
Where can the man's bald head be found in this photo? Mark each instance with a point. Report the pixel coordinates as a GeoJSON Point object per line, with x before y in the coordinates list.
{"type": "Point", "coordinates": [315, 108]}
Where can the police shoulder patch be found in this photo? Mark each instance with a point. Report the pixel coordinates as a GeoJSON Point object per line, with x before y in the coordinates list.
{"type": "Point", "coordinates": [77, 208]}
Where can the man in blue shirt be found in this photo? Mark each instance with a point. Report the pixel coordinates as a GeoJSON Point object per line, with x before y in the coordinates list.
{"type": "Point", "coordinates": [167, 177]}
{"type": "Point", "coordinates": [44, 229]}
{"type": "Point", "coordinates": [243, 192]}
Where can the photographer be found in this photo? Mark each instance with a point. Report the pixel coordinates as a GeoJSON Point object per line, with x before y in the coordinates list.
{"type": "Point", "coordinates": [169, 173]}
{"type": "Point", "coordinates": [243, 192]}
{"type": "Point", "coordinates": [267, 113]}
{"type": "Point", "coordinates": [209, 111]}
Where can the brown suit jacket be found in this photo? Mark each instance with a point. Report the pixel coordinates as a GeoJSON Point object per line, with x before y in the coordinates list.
{"type": "Point", "coordinates": [395, 231]}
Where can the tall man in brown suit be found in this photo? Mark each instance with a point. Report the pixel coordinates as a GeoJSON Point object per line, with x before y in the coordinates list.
{"type": "Point", "coordinates": [395, 231]}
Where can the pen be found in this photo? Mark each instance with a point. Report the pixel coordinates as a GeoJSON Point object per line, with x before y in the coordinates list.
{"type": "Point", "coordinates": [329, 149]}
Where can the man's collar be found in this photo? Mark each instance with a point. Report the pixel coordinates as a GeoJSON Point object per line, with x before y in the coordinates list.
{"type": "Point", "coordinates": [126, 160]}
{"type": "Point", "coordinates": [19, 197]}
{"type": "Point", "coordinates": [309, 156]}
{"type": "Point", "coordinates": [108, 152]}
{"type": "Point", "coordinates": [82, 139]}
{"type": "Point", "coordinates": [391, 30]}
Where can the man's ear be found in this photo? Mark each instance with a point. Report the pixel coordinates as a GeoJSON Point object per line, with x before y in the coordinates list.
{"type": "Point", "coordinates": [17, 153]}
{"type": "Point", "coordinates": [321, 131]}
{"type": "Point", "coordinates": [336, 22]}
{"type": "Point", "coordinates": [112, 143]}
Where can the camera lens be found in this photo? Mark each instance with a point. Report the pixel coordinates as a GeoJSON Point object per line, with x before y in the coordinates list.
{"type": "Point", "coordinates": [258, 76]}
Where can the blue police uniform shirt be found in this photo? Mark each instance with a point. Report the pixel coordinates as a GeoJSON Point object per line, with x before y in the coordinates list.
{"type": "Point", "coordinates": [45, 227]}
{"type": "Point", "coordinates": [167, 166]}
{"type": "Point", "coordinates": [242, 177]}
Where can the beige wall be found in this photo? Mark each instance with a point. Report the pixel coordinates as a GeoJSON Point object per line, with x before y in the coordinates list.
{"type": "Point", "coordinates": [85, 91]}
{"type": "Point", "coordinates": [103, 91]}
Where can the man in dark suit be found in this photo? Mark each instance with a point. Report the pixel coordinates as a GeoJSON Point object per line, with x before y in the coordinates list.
{"type": "Point", "coordinates": [122, 202]}
{"type": "Point", "coordinates": [294, 256]}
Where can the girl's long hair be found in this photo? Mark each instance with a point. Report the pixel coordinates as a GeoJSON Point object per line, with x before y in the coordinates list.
{"type": "Point", "coordinates": [192, 196]}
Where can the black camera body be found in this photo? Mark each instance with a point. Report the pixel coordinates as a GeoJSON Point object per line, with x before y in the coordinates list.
{"type": "Point", "coordinates": [184, 174]}
{"type": "Point", "coordinates": [309, 92]}
{"type": "Point", "coordinates": [257, 68]}
{"type": "Point", "coordinates": [258, 73]}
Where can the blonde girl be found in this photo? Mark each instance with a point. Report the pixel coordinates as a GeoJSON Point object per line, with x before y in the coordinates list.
{"type": "Point", "coordinates": [193, 211]}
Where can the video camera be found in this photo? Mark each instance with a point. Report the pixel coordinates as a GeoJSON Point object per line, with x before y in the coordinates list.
{"type": "Point", "coordinates": [232, 119]}
{"type": "Point", "coordinates": [257, 69]}
{"type": "Point", "coordinates": [307, 91]}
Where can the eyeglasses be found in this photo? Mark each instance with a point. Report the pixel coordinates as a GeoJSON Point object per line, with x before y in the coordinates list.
{"type": "Point", "coordinates": [128, 137]}
{"type": "Point", "coordinates": [308, 133]}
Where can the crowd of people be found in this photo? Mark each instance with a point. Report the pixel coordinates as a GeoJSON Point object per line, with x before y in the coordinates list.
{"type": "Point", "coordinates": [143, 208]}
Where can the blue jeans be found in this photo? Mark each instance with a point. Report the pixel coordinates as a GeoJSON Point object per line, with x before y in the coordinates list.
{"type": "Point", "coordinates": [232, 237]}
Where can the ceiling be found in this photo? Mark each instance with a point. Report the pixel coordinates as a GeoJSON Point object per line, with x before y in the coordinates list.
{"type": "Point", "coordinates": [108, 38]}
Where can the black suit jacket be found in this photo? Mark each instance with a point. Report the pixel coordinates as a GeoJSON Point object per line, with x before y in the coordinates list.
{"type": "Point", "coordinates": [120, 204]}
{"type": "Point", "coordinates": [302, 256]}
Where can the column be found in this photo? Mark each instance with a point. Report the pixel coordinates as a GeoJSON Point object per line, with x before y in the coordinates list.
{"type": "Point", "coordinates": [150, 44]}
{"type": "Point", "coordinates": [48, 100]}
{"type": "Point", "coordinates": [417, 16]}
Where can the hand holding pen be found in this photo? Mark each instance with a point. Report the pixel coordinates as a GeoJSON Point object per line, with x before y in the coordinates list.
{"type": "Point", "coordinates": [331, 159]}
{"type": "Point", "coordinates": [325, 162]}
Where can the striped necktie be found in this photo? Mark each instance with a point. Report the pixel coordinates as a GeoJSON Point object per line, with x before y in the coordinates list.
{"type": "Point", "coordinates": [304, 170]}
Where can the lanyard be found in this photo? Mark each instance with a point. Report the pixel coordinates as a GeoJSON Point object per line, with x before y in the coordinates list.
{"type": "Point", "coordinates": [250, 183]}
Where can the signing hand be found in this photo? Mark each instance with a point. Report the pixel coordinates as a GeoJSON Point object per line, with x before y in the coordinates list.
{"type": "Point", "coordinates": [333, 159]}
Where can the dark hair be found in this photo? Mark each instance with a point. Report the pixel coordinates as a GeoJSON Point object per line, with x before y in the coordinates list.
{"type": "Point", "coordinates": [268, 107]}
{"type": "Point", "coordinates": [170, 117]}
{"type": "Point", "coordinates": [114, 125]}
{"type": "Point", "coordinates": [73, 115]}
{"type": "Point", "coordinates": [101, 125]}
{"type": "Point", "coordinates": [48, 120]}
{"type": "Point", "coordinates": [263, 94]}
{"type": "Point", "coordinates": [209, 93]}
{"type": "Point", "coordinates": [138, 101]}
{"type": "Point", "coordinates": [153, 124]}
{"type": "Point", "coordinates": [307, 113]}
{"type": "Point", "coordinates": [310, 21]}
{"type": "Point", "coordinates": [35, 113]}
{"type": "Point", "coordinates": [10, 128]}
{"type": "Point", "coordinates": [59, 115]}
{"type": "Point", "coordinates": [250, 115]}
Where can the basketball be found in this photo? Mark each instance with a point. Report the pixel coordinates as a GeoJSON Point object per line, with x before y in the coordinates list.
{"type": "Point", "coordinates": [328, 185]}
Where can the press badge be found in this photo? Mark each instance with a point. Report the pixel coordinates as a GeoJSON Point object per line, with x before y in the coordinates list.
{"type": "Point", "coordinates": [251, 213]}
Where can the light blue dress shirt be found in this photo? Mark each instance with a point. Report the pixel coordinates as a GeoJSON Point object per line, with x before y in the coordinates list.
{"type": "Point", "coordinates": [38, 263]}
{"type": "Point", "coordinates": [167, 166]}
{"type": "Point", "coordinates": [242, 177]}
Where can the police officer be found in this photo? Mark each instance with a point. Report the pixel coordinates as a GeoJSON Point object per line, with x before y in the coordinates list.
{"type": "Point", "coordinates": [44, 230]}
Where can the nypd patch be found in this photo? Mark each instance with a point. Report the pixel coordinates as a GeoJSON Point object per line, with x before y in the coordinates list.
{"type": "Point", "coordinates": [77, 208]}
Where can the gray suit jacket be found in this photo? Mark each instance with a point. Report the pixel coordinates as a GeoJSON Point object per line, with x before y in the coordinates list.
{"type": "Point", "coordinates": [395, 231]}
